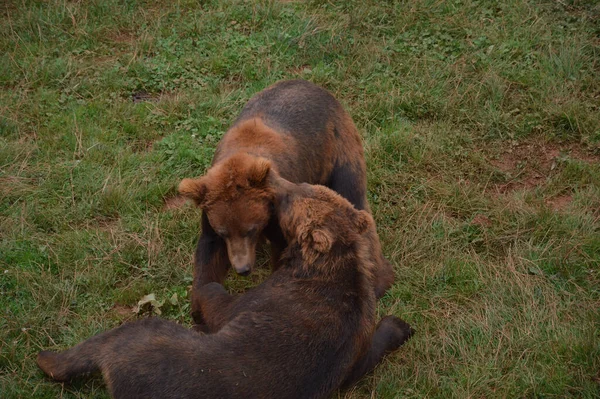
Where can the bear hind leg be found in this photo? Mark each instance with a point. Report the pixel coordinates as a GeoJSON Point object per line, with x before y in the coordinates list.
{"type": "Point", "coordinates": [65, 366]}
{"type": "Point", "coordinates": [390, 334]}
{"type": "Point", "coordinates": [349, 181]}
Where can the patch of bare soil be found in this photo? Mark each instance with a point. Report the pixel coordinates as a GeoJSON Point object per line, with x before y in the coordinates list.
{"type": "Point", "coordinates": [143, 146]}
{"type": "Point", "coordinates": [105, 59]}
{"type": "Point", "coordinates": [529, 164]}
{"type": "Point", "coordinates": [144, 96]}
{"type": "Point", "coordinates": [122, 37]}
{"type": "Point", "coordinates": [123, 312]}
{"type": "Point", "coordinates": [107, 224]}
{"type": "Point", "coordinates": [302, 69]}
{"type": "Point", "coordinates": [8, 9]}
{"type": "Point", "coordinates": [560, 202]}
{"type": "Point", "coordinates": [176, 202]}
{"type": "Point", "coordinates": [481, 221]}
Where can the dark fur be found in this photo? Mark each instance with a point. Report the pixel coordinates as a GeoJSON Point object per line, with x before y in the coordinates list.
{"type": "Point", "coordinates": [306, 331]}
{"type": "Point", "coordinates": [305, 135]}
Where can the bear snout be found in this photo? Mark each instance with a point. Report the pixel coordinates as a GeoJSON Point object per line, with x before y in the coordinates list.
{"type": "Point", "coordinates": [243, 270]}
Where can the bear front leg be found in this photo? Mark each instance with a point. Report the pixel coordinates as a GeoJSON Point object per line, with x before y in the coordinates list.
{"type": "Point", "coordinates": [211, 262]}
{"type": "Point", "coordinates": [277, 248]}
{"type": "Point", "coordinates": [214, 305]}
{"type": "Point", "coordinates": [390, 334]}
{"type": "Point", "coordinates": [278, 243]}
{"type": "Point", "coordinates": [384, 277]}
{"type": "Point", "coordinates": [349, 180]}
{"type": "Point", "coordinates": [383, 272]}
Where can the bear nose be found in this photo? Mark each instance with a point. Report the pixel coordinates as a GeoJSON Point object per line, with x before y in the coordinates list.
{"type": "Point", "coordinates": [243, 270]}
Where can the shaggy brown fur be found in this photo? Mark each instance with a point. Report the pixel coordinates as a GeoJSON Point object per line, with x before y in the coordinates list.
{"type": "Point", "coordinates": [305, 135]}
{"type": "Point", "coordinates": [308, 330]}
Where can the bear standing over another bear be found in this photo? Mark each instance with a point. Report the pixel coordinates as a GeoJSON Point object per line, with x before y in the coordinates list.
{"type": "Point", "coordinates": [308, 330]}
{"type": "Point", "coordinates": [303, 133]}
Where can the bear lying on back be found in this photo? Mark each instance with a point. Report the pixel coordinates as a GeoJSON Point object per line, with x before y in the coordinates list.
{"type": "Point", "coordinates": [308, 330]}
{"type": "Point", "coordinates": [307, 137]}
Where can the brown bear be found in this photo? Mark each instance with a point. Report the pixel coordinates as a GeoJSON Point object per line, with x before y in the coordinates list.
{"type": "Point", "coordinates": [306, 136]}
{"type": "Point", "coordinates": [306, 331]}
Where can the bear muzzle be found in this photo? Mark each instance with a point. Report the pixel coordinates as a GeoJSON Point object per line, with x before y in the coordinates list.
{"type": "Point", "coordinates": [242, 254]}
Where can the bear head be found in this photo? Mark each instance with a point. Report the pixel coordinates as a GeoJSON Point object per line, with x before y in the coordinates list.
{"type": "Point", "coordinates": [318, 219]}
{"type": "Point", "coordinates": [236, 196]}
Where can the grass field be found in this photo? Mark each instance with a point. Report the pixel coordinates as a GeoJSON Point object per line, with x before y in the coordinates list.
{"type": "Point", "coordinates": [481, 121]}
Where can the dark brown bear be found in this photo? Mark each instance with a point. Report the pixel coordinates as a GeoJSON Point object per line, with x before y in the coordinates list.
{"type": "Point", "coordinates": [308, 330]}
{"type": "Point", "coordinates": [306, 136]}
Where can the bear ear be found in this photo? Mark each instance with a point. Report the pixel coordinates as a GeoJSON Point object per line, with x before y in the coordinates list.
{"type": "Point", "coordinates": [363, 221]}
{"type": "Point", "coordinates": [194, 189]}
{"type": "Point", "coordinates": [321, 240]}
{"type": "Point", "coordinates": [259, 172]}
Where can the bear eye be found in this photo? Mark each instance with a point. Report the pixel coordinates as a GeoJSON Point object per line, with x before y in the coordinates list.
{"type": "Point", "coordinates": [223, 233]}
{"type": "Point", "coordinates": [251, 232]}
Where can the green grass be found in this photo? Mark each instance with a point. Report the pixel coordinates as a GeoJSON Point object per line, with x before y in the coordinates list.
{"type": "Point", "coordinates": [481, 121]}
